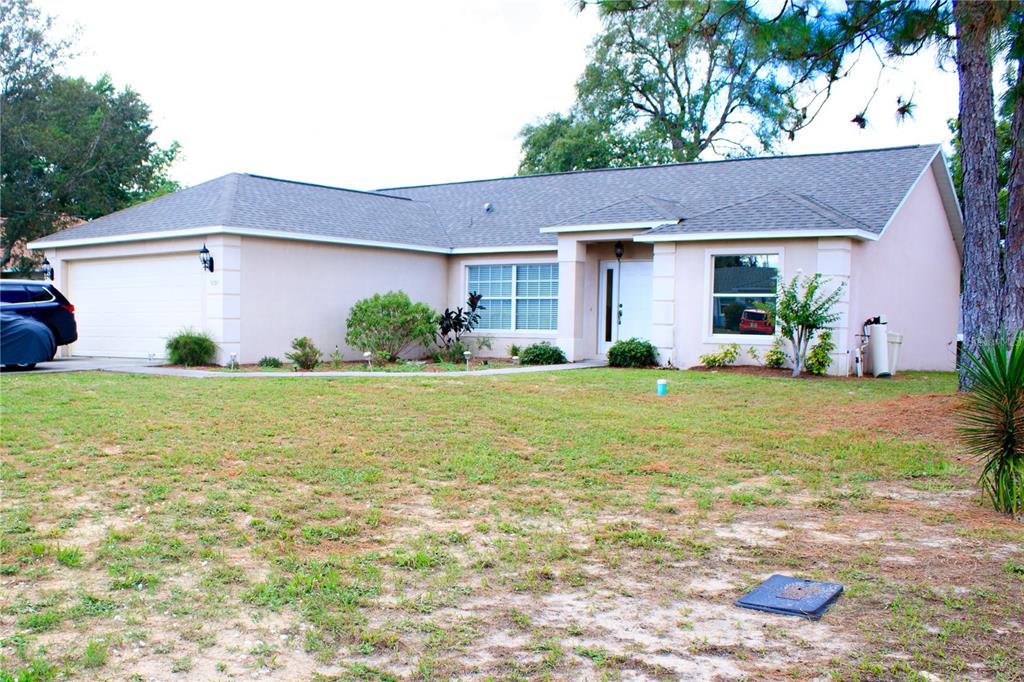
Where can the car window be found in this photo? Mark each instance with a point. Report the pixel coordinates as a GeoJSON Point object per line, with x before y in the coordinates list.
{"type": "Point", "coordinates": [13, 293]}
{"type": "Point", "coordinates": [38, 294]}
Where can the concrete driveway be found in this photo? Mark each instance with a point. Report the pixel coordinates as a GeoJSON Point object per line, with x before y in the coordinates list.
{"type": "Point", "coordinates": [78, 364]}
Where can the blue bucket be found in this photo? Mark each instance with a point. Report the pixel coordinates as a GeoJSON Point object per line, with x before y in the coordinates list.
{"type": "Point", "coordinates": [662, 388]}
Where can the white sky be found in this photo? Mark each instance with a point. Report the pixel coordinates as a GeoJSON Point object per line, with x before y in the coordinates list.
{"type": "Point", "coordinates": [367, 93]}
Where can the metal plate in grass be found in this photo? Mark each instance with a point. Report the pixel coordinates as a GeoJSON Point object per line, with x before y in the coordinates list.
{"type": "Point", "coordinates": [792, 597]}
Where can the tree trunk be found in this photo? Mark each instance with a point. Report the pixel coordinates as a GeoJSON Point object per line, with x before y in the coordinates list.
{"type": "Point", "coordinates": [1013, 311]}
{"type": "Point", "coordinates": [982, 279]}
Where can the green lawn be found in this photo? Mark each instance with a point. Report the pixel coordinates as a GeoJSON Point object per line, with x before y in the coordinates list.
{"type": "Point", "coordinates": [558, 525]}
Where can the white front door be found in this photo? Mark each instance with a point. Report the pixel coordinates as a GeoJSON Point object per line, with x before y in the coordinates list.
{"type": "Point", "coordinates": [624, 302]}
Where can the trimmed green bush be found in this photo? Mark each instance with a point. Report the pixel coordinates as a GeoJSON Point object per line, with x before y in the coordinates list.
{"type": "Point", "coordinates": [388, 324]}
{"type": "Point", "coordinates": [818, 358]}
{"type": "Point", "coordinates": [304, 353]}
{"type": "Point", "coordinates": [542, 353]}
{"type": "Point", "coordinates": [269, 362]}
{"type": "Point", "coordinates": [190, 348]}
{"type": "Point", "coordinates": [632, 353]}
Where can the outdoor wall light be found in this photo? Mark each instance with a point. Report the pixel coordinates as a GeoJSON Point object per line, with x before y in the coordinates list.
{"type": "Point", "coordinates": [205, 258]}
{"type": "Point", "coordinates": [619, 250]}
{"type": "Point", "coordinates": [47, 269]}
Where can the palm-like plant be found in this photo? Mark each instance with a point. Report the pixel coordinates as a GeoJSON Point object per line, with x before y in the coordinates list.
{"type": "Point", "coordinates": [992, 419]}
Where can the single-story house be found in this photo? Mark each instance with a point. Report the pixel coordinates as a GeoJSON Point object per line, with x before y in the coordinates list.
{"type": "Point", "coordinates": [701, 248]}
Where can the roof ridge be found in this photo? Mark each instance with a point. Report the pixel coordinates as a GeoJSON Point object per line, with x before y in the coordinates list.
{"type": "Point", "coordinates": [333, 187]}
{"type": "Point", "coordinates": [226, 200]}
{"type": "Point", "coordinates": [936, 145]}
{"type": "Point", "coordinates": [823, 209]}
{"type": "Point", "coordinates": [744, 200]}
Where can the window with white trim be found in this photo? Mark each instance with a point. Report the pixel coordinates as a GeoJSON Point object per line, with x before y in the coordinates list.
{"type": "Point", "coordinates": [743, 292]}
{"type": "Point", "coordinates": [516, 297]}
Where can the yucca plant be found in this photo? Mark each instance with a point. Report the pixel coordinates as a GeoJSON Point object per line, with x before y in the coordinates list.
{"type": "Point", "coordinates": [992, 419]}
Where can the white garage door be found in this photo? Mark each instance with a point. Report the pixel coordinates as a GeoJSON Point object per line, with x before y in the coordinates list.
{"type": "Point", "coordinates": [127, 307]}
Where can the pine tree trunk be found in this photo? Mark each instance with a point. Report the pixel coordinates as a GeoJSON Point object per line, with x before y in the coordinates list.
{"type": "Point", "coordinates": [982, 278]}
{"type": "Point", "coordinates": [1013, 299]}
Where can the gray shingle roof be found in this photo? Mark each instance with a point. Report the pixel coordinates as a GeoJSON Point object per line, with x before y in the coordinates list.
{"type": "Point", "coordinates": [848, 189]}
{"type": "Point", "coordinates": [640, 208]}
{"type": "Point", "coordinates": [252, 201]}
{"type": "Point", "coordinates": [767, 212]}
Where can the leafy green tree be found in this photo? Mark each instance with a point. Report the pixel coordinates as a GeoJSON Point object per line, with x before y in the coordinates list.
{"type": "Point", "coordinates": [803, 309]}
{"type": "Point", "coordinates": [570, 142]}
{"type": "Point", "coordinates": [72, 150]}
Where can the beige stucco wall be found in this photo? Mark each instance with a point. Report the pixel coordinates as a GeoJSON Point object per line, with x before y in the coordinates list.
{"type": "Point", "coordinates": [293, 288]}
{"type": "Point", "coordinates": [912, 276]}
{"type": "Point", "coordinates": [457, 293]}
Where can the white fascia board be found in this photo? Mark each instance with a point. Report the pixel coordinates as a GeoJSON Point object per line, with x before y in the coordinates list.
{"type": "Point", "coordinates": [530, 248]}
{"type": "Point", "coordinates": [754, 234]}
{"type": "Point", "coordinates": [603, 227]}
{"type": "Point", "coordinates": [239, 231]}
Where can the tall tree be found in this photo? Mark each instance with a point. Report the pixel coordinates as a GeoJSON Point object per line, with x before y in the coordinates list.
{"type": "Point", "coordinates": [981, 301]}
{"type": "Point", "coordinates": [71, 149]}
{"type": "Point", "coordinates": [1013, 106]}
{"type": "Point", "coordinates": [572, 142]}
{"type": "Point", "coordinates": [673, 80]}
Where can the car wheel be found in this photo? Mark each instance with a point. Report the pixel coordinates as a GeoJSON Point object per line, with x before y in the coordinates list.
{"type": "Point", "coordinates": [26, 367]}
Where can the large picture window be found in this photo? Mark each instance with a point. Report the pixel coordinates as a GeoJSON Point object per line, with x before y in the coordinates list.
{"type": "Point", "coordinates": [743, 293]}
{"type": "Point", "coordinates": [517, 297]}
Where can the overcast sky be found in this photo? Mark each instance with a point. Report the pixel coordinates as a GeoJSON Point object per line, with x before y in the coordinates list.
{"type": "Point", "coordinates": [368, 94]}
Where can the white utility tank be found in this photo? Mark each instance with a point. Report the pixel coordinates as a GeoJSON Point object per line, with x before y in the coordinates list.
{"type": "Point", "coordinates": [895, 341]}
{"type": "Point", "coordinates": [878, 349]}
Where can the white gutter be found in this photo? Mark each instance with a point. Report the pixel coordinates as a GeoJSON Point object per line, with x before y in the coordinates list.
{"type": "Point", "coordinates": [239, 231]}
{"type": "Point", "coordinates": [754, 234]}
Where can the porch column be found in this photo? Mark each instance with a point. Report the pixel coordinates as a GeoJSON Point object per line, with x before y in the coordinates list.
{"type": "Point", "coordinates": [223, 305]}
{"type": "Point", "coordinates": [663, 307]}
{"type": "Point", "coordinates": [834, 257]}
{"type": "Point", "coordinates": [571, 258]}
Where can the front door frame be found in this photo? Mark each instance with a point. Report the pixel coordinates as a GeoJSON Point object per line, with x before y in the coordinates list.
{"type": "Point", "coordinates": [603, 267]}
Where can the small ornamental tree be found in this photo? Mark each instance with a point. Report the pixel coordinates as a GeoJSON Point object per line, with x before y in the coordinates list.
{"type": "Point", "coordinates": [388, 324]}
{"type": "Point", "coordinates": [802, 309]}
{"type": "Point", "coordinates": [453, 324]}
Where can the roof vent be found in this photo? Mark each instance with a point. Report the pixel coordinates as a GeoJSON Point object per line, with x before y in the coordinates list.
{"type": "Point", "coordinates": [488, 207]}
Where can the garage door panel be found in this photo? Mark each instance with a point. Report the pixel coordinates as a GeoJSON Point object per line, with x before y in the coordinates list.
{"type": "Point", "coordinates": [127, 307]}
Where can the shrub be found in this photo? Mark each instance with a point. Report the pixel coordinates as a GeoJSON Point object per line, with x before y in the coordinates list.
{"type": "Point", "coordinates": [819, 358]}
{"type": "Point", "coordinates": [542, 353]}
{"type": "Point", "coordinates": [775, 357]}
{"type": "Point", "coordinates": [452, 324]}
{"type": "Point", "coordinates": [514, 350]}
{"type": "Point", "coordinates": [190, 348]}
{"type": "Point", "coordinates": [802, 308]}
{"type": "Point", "coordinates": [388, 324]}
{"type": "Point", "coordinates": [452, 353]}
{"type": "Point", "coordinates": [269, 361]}
{"type": "Point", "coordinates": [726, 355]}
{"type": "Point", "coordinates": [992, 419]}
{"type": "Point", "coordinates": [304, 353]}
{"type": "Point", "coordinates": [632, 353]}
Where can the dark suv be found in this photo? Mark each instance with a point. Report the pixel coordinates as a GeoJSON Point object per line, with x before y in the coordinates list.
{"type": "Point", "coordinates": [40, 301]}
